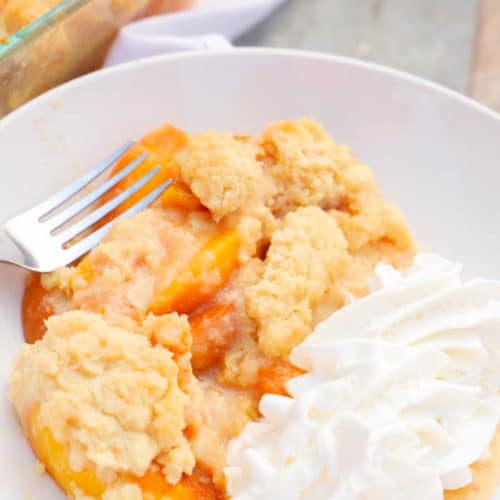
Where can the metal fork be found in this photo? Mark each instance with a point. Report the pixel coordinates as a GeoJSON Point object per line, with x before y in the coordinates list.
{"type": "Point", "coordinates": [31, 240]}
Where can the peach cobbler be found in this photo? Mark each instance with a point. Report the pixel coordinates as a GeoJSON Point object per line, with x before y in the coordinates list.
{"type": "Point", "coordinates": [145, 358]}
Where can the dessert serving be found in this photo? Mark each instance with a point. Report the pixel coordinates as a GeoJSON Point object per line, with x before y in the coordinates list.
{"type": "Point", "coordinates": [187, 332]}
{"type": "Point", "coordinates": [17, 14]}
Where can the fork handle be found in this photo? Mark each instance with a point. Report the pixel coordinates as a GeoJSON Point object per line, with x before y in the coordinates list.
{"type": "Point", "coordinates": [9, 251]}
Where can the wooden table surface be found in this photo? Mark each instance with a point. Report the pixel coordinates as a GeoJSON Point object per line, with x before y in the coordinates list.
{"type": "Point", "coordinates": [453, 42]}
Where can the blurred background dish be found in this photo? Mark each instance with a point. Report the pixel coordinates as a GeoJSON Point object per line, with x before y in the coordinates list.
{"type": "Point", "coordinates": [452, 42]}
{"type": "Point", "coordinates": [46, 42]}
{"type": "Point", "coordinates": [427, 147]}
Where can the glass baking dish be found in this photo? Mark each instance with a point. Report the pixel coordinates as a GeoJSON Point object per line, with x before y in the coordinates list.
{"type": "Point", "coordinates": [69, 40]}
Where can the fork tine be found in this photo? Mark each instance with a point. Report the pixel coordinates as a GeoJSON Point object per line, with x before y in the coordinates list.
{"type": "Point", "coordinates": [80, 205]}
{"type": "Point", "coordinates": [90, 241]}
{"type": "Point", "coordinates": [67, 192]}
{"type": "Point", "coordinates": [105, 209]}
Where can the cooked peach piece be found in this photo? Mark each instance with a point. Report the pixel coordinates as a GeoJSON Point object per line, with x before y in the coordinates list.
{"type": "Point", "coordinates": [153, 484]}
{"type": "Point", "coordinates": [207, 272]}
{"type": "Point", "coordinates": [154, 487]}
{"type": "Point", "coordinates": [85, 269]}
{"type": "Point", "coordinates": [242, 138]}
{"type": "Point", "coordinates": [274, 376]}
{"type": "Point", "coordinates": [35, 309]}
{"type": "Point", "coordinates": [213, 331]}
{"type": "Point", "coordinates": [161, 145]}
{"type": "Point", "coordinates": [178, 195]}
{"type": "Point", "coordinates": [54, 457]}
{"type": "Point", "coordinates": [192, 254]}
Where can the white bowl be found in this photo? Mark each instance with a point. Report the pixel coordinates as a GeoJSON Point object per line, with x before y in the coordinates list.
{"type": "Point", "coordinates": [435, 154]}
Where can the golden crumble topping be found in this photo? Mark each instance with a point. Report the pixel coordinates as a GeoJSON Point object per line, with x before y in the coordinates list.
{"type": "Point", "coordinates": [306, 164]}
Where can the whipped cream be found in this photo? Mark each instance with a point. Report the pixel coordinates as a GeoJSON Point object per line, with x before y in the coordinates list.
{"type": "Point", "coordinates": [400, 399]}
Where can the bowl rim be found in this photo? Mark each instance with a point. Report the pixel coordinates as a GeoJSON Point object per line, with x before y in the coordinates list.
{"type": "Point", "coordinates": [239, 52]}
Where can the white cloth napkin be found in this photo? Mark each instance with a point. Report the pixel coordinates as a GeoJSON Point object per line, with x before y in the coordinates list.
{"type": "Point", "coordinates": [210, 24]}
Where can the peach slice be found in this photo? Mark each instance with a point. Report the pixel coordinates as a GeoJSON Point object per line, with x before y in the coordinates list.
{"type": "Point", "coordinates": [161, 145]}
{"type": "Point", "coordinates": [153, 484]}
{"type": "Point", "coordinates": [206, 273]}
{"type": "Point", "coordinates": [36, 308]}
